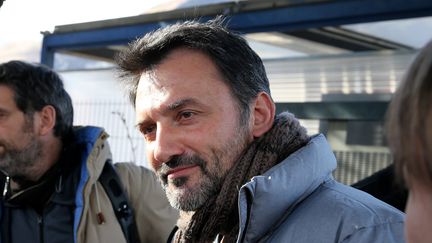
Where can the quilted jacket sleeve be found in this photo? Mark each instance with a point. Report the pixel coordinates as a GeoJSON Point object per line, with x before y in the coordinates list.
{"type": "Point", "coordinates": [155, 218]}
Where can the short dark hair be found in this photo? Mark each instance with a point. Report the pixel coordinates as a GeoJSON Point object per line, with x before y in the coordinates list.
{"type": "Point", "coordinates": [36, 86]}
{"type": "Point", "coordinates": [241, 68]}
{"type": "Point", "coordinates": [409, 120]}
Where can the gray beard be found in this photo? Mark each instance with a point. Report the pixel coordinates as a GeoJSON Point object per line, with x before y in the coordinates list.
{"type": "Point", "coordinates": [191, 199]}
{"type": "Point", "coordinates": [212, 174]}
{"type": "Point", "coordinates": [20, 162]}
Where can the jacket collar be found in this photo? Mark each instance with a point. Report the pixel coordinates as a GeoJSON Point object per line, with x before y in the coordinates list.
{"type": "Point", "coordinates": [93, 142]}
{"type": "Point", "coordinates": [267, 199]}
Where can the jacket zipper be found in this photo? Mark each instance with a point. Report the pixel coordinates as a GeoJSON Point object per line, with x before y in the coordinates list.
{"type": "Point", "coordinates": [41, 228]}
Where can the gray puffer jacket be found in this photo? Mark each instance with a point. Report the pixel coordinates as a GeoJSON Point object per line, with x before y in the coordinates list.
{"type": "Point", "coordinates": [299, 201]}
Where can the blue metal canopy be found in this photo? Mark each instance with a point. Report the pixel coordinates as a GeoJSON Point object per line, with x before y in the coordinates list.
{"type": "Point", "coordinates": [244, 16]}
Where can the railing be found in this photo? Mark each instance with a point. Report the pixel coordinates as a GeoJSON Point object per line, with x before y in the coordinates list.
{"type": "Point", "coordinates": [354, 166]}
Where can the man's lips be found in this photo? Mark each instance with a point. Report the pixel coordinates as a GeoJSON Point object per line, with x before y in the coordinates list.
{"type": "Point", "coordinates": [181, 171]}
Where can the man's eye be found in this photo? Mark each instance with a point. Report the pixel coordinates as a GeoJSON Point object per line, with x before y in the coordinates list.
{"type": "Point", "coordinates": [147, 130]}
{"type": "Point", "coordinates": [186, 115]}
{"type": "Point", "coordinates": [3, 115]}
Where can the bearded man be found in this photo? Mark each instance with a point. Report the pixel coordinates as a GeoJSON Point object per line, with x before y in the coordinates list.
{"type": "Point", "coordinates": [235, 170]}
{"type": "Point", "coordinates": [51, 171]}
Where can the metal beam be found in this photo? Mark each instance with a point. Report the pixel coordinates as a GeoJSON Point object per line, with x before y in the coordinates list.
{"type": "Point", "coordinates": [332, 13]}
{"type": "Point", "coordinates": [365, 110]}
{"type": "Point", "coordinates": [309, 14]}
{"type": "Point", "coordinates": [347, 39]}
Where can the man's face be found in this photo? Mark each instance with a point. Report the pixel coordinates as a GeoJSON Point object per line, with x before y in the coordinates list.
{"type": "Point", "coordinates": [191, 126]}
{"type": "Point", "coordinates": [19, 146]}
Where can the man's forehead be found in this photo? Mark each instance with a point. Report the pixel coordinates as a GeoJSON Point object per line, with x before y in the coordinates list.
{"type": "Point", "coordinates": [148, 81]}
{"type": "Point", "coordinates": [152, 94]}
{"type": "Point", "coordinates": [180, 78]}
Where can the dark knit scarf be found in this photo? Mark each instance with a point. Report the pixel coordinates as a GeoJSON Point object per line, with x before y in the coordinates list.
{"type": "Point", "coordinates": [220, 214]}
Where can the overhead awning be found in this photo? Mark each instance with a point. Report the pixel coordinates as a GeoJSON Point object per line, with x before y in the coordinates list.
{"type": "Point", "coordinates": [313, 20]}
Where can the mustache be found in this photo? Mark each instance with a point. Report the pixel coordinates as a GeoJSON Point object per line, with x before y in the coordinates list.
{"type": "Point", "coordinates": [180, 160]}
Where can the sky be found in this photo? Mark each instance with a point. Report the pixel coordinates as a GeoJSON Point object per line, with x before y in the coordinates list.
{"type": "Point", "coordinates": [22, 21]}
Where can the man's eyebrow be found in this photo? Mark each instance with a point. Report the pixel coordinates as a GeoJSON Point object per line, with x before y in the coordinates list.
{"type": "Point", "coordinates": [178, 104]}
{"type": "Point", "coordinates": [3, 110]}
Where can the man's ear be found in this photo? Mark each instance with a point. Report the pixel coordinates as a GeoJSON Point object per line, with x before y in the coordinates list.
{"type": "Point", "coordinates": [47, 120]}
{"type": "Point", "coordinates": [263, 113]}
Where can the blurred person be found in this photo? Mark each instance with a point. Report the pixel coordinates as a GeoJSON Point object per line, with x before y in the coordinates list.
{"type": "Point", "coordinates": [236, 171]}
{"type": "Point", "coordinates": [51, 170]}
{"type": "Point", "coordinates": [409, 131]}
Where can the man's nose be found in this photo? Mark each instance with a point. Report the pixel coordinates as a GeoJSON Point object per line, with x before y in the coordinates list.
{"type": "Point", "coordinates": [166, 145]}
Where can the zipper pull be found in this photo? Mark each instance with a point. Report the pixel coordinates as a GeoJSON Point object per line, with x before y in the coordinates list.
{"type": "Point", "coordinates": [100, 218]}
{"type": "Point", "coordinates": [6, 185]}
{"type": "Point", "coordinates": [99, 215]}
